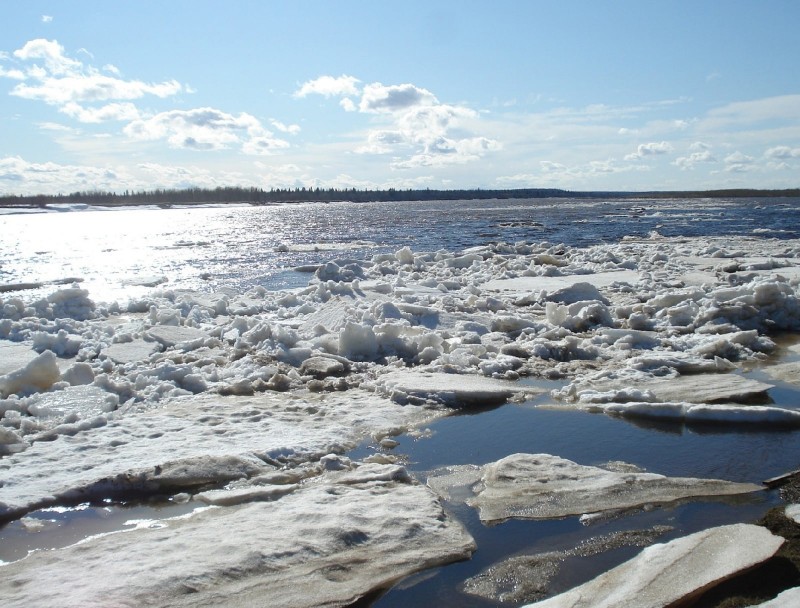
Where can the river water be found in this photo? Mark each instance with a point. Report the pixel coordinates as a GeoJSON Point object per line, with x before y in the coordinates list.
{"type": "Point", "coordinates": [121, 253]}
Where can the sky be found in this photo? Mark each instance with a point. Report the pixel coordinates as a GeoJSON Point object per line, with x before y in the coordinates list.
{"type": "Point", "coordinates": [582, 95]}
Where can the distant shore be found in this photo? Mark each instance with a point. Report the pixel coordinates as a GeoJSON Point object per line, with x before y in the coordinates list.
{"type": "Point", "coordinates": [259, 196]}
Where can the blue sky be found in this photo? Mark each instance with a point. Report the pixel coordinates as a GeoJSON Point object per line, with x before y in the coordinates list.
{"type": "Point", "coordinates": [617, 95]}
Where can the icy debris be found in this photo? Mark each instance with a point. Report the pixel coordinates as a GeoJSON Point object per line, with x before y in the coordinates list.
{"type": "Point", "coordinates": [664, 574]}
{"type": "Point", "coordinates": [793, 512]}
{"type": "Point", "coordinates": [169, 336]}
{"type": "Point", "coordinates": [786, 599]}
{"type": "Point", "coordinates": [336, 540]}
{"type": "Point", "coordinates": [542, 486]}
{"type": "Point", "coordinates": [526, 578]}
{"type": "Point", "coordinates": [39, 374]}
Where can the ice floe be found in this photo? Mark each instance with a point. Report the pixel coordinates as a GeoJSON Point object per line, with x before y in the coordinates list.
{"type": "Point", "coordinates": [337, 538]}
{"type": "Point", "coordinates": [665, 574]}
{"type": "Point", "coordinates": [542, 486]}
{"type": "Point", "coordinates": [249, 400]}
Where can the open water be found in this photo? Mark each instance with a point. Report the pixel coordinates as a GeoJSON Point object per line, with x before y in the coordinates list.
{"type": "Point", "coordinates": [120, 253]}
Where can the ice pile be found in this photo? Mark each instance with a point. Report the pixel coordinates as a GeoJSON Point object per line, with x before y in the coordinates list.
{"type": "Point", "coordinates": [202, 393]}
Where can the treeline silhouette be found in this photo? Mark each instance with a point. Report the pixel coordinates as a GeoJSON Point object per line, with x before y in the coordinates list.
{"type": "Point", "coordinates": [260, 196]}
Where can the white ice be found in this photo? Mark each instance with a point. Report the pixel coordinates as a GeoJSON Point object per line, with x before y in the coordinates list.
{"type": "Point", "coordinates": [665, 574]}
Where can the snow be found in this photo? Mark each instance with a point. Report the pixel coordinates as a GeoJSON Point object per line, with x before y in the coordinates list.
{"type": "Point", "coordinates": [543, 486]}
{"type": "Point", "coordinates": [665, 574]}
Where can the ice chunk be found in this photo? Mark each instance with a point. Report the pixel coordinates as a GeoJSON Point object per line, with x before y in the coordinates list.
{"type": "Point", "coordinates": [322, 367]}
{"type": "Point", "coordinates": [523, 285]}
{"type": "Point", "coordinates": [665, 574]}
{"type": "Point", "coordinates": [706, 413]}
{"type": "Point", "coordinates": [171, 335]}
{"type": "Point", "coordinates": [793, 512]}
{"type": "Point", "coordinates": [541, 486]}
{"type": "Point", "coordinates": [39, 374]}
{"type": "Point", "coordinates": [328, 543]}
{"type": "Point", "coordinates": [577, 292]}
{"type": "Point", "coordinates": [14, 356]}
{"type": "Point", "coordinates": [454, 390]}
{"type": "Point", "coordinates": [786, 372]}
{"type": "Point", "coordinates": [358, 342]}
{"type": "Point", "coordinates": [129, 352]}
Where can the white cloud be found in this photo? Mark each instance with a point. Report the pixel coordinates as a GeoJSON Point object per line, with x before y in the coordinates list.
{"type": "Point", "coordinates": [738, 162]}
{"type": "Point", "coordinates": [62, 80]}
{"type": "Point", "coordinates": [111, 111]}
{"type": "Point", "coordinates": [782, 152]}
{"type": "Point", "coordinates": [379, 98]}
{"type": "Point", "coordinates": [687, 163]}
{"type": "Point", "coordinates": [206, 129]}
{"type": "Point", "coordinates": [24, 177]}
{"type": "Point", "coordinates": [651, 149]}
{"type": "Point", "coordinates": [749, 112]}
{"type": "Point", "coordinates": [284, 128]}
{"type": "Point", "coordinates": [329, 86]}
{"type": "Point", "coordinates": [47, 18]}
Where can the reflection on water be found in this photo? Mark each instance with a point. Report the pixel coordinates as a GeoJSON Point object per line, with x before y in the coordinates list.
{"type": "Point", "coordinates": [208, 248]}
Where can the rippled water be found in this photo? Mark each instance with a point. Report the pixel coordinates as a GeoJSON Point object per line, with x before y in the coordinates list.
{"type": "Point", "coordinates": [115, 251]}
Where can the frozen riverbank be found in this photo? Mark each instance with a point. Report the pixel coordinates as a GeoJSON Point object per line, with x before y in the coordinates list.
{"type": "Point", "coordinates": [248, 401]}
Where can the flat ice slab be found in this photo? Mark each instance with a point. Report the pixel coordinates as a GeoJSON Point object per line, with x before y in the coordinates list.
{"type": "Point", "coordinates": [696, 388]}
{"type": "Point", "coordinates": [523, 285]}
{"type": "Point", "coordinates": [191, 441]}
{"type": "Point", "coordinates": [129, 352]}
{"type": "Point", "coordinates": [455, 390]}
{"type": "Point", "coordinates": [542, 486]}
{"type": "Point", "coordinates": [170, 335]}
{"type": "Point", "coordinates": [328, 543]}
{"type": "Point", "coordinates": [664, 574]}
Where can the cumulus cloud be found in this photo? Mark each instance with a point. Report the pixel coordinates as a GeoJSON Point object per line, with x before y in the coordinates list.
{"type": "Point", "coordinates": [111, 111]}
{"type": "Point", "coordinates": [418, 130]}
{"type": "Point", "coordinates": [738, 162]}
{"type": "Point", "coordinates": [25, 177]}
{"type": "Point", "coordinates": [782, 153]}
{"type": "Point", "coordinates": [650, 149]}
{"type": "Point", "coordinates": [91, 95]}
{"type": "Point", "coordinates": [329, 86]}
{"type": "Point", "coordinates": [284, 128]}
{"type": "Point", "coordinates": [700, 153]}
{"type": "Point", "coordinates": [379, 98]}
{"type": "Point", "coordinates": [47, 18]}
{"type": "Point", "coordinates": [50, 76]}
{"type": "Point", "coordinates": [206, 129]}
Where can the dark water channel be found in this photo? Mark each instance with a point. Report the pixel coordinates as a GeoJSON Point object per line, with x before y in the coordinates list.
{"type": "Point", "coordinates": [730, 452]}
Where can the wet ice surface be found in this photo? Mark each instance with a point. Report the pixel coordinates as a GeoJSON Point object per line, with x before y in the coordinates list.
{"type": "Point", "coordinates": [637, 359]}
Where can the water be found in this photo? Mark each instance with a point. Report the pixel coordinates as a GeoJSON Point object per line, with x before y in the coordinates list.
{"type": "Point", "coordinates": [239, 247]}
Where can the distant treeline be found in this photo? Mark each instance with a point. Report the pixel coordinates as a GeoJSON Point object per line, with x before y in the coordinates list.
{"type": "Point", "coordinates": [259, 196]}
